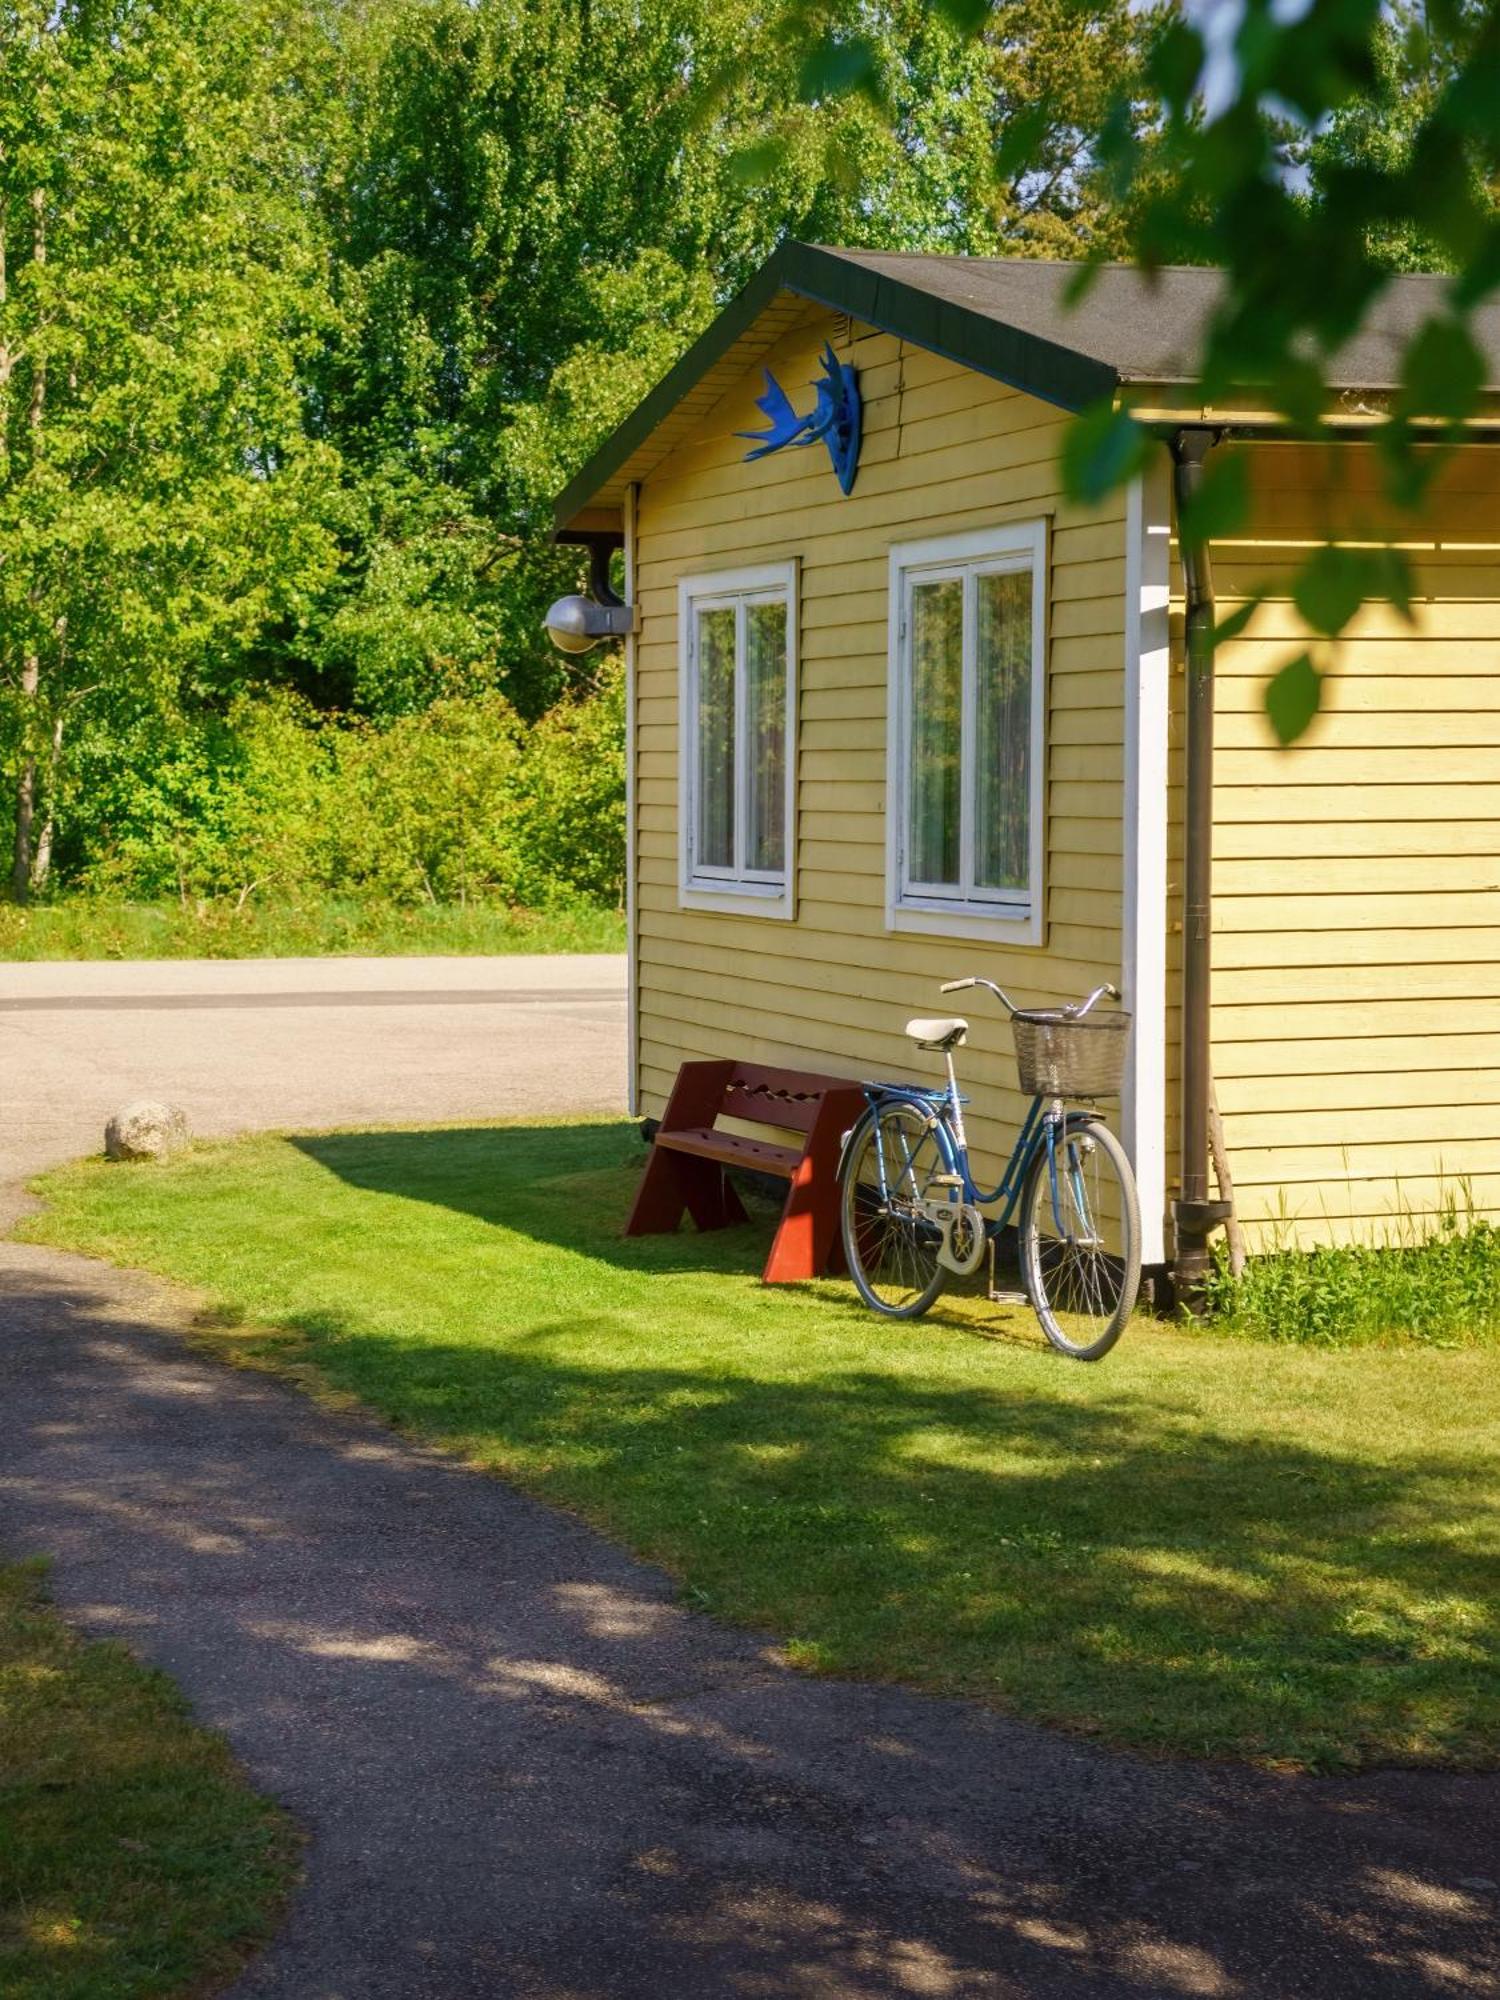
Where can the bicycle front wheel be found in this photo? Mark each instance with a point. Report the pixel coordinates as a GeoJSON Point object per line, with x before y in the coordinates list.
{"type": "Point", "coordinates": [891, 1246]}
{"type": "Point", "coordinates": [1080, 1240]}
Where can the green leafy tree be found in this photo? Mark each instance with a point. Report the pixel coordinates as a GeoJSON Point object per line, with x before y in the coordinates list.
{"type": "Point", "coordinates": [160, 281]}
{"type": "Point", "coordinates": [1417, 55]}
{"type": "Point", "coordinates": [543, 202]}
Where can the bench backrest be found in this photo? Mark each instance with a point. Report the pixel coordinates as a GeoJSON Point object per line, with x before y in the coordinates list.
{"type": "Point", "coordinates": [784, 1098]}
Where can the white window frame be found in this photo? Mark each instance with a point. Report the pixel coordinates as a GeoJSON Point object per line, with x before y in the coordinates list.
{"type": "Point", "coordinates": [745, 893]}
{"type": "Point", "coordinates": [1003, 917]}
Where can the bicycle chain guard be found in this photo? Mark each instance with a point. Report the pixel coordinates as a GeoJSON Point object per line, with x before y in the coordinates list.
{"type": "Point", "coordinates": [964, 1238]}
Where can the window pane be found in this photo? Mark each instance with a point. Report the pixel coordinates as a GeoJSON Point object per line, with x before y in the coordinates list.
{"type": "Point", "coordinates": [765, 692]}
{"type": "Point", "coordinates": [716, 737]}
{"type": "Point", "coordinates": [937, 623]}
{"type": "Point", "coordinates": [1002, 764]}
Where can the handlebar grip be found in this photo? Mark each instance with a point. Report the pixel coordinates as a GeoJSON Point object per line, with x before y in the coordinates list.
{"type": "Point", "coordinates": [954, 985]}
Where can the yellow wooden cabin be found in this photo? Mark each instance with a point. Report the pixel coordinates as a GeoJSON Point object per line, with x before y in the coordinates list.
{"type": "Point", "coordinates": [954, 737]}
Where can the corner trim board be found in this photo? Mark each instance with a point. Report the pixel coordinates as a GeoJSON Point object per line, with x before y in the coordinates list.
{"type": "Point", "coordinates": [1144, 914]}
{"type": "Point", "coordinates": [632, 839]}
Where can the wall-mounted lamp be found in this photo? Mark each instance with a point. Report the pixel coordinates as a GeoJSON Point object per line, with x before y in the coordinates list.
{"type": "Point", "coordinates": [577, 624]}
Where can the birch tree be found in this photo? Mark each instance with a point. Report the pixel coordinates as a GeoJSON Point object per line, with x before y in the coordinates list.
{"type": "Point", "coordinates": [161, 276]}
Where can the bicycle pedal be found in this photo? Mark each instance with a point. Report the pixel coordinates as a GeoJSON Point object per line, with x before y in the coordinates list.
{"type": "Point", "coordinates": [946, 1180]}
{"type": "Point", "coordinates": [998, 1298]}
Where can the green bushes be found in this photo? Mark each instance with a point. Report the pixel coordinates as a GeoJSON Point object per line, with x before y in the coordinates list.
{"type": "Point", "coordinates": [1440, 1288]}
{"type": "Point", "coordinates": [458, 803]}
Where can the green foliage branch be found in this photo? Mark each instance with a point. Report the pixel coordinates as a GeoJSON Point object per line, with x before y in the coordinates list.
{"type": "Point", "coordinates": [1349, 140]}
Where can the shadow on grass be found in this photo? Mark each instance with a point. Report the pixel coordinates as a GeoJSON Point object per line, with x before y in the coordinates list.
{"type": "Point", "coordinates": [1087, 1547]}
{"type": "Point", "coordinates": [570, 1185]}
{"type": "Point", "coordinates": [529, 1772]}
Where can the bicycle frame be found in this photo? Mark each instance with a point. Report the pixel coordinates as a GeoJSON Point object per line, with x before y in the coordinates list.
{"type": "Point", "coordinates": [1045, 1120]}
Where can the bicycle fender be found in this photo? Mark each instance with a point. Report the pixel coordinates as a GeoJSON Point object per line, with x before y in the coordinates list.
{"type": "Point", "coordinates": [916, 1100]}
{"type": "Point", "coordinates": [1072, 1121]}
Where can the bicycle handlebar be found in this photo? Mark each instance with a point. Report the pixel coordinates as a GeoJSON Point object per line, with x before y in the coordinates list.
{"type": "Point", "coordinates": [1076, 1012]}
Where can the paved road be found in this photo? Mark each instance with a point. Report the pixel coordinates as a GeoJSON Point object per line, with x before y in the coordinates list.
{"type": "Point", "coordinates": [249, 1043]}
{"type": "Point", "coordinates": [527, 1773]}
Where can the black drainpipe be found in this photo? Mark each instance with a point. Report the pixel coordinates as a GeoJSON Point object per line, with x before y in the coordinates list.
{"type": "Point", "coordinates": [1194, 1214]}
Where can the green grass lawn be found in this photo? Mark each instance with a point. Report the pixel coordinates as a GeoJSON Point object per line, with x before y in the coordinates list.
{"type": "Point", "coordinates": [1204, 1545]}
{"type": "Point", "coordinates": [76, 927]}
{"type": "Point", "coordinates": [133, 1859]}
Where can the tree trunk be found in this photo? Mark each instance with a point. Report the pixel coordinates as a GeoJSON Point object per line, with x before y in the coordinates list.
{"type": "Point", "coordinates": [41, 860]}
{"type": "Point", "coordinates": [22, 855]}
{"type": "Point", "coordinates": [1234, 1235]}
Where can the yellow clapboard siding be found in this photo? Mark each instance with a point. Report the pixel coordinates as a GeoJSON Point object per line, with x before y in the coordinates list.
{"type": "Point", "coordinates": [1314, 765]}
{"type": "Point", "coordinates": [1438, 579]}
{"type": "Point", "coordinates": [1362, 1014]}
{"type": "Point", "coordinates": [1278, 624]}
{"type": "Point", "coordinates": [1338, 1167]}
{"type": "Point", "coordinates": [1404, 803]}
{"type": "Point", "coordinates": [1307, 843]}
{"type": "Point", "coordinates": [1356, 730]}
{"type": "Point", "coordinates": [1363, 666]}
{"type": "Point", "coordinates": [1290, 951]}
{"type": "Point", "coordinates": [1064, 971]}
{"type": "Point", "coordinates": [1433, 910]}
{"type": "Point", "coordinates": [886, 502]}
{"type": "Point", "coordinates": [1370, 688]}
{"type": "Point", "coordinates": [1408, 1211]}
{"type": "Point", "coordinates": [1321, 875]}
{"type": "Point", "coordinates": [1338, 1018]}
{"type": "Point", "coordinates": [1335, 1123]}
{"type": "Point", "coordinates": [1310, 1099]}
{"type": "Point", "coordinates": [903, 976]}
{"type": "Point", "coordinates": [994, 428]}
{"type": "Point", "coordinates": [1081, 850]}
{"type": "Point", "coordinates": [1356, 879]}
{"type": "Point", "coordinates": [1429, 1065]}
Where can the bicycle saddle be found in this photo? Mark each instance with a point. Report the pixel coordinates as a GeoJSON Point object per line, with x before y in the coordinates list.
{"type": "Point", "coordinates": [946, 1032]}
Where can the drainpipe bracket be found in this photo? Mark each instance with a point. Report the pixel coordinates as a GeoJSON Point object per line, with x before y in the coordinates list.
{"type": "Point", "coordinates": [1196, 1218]}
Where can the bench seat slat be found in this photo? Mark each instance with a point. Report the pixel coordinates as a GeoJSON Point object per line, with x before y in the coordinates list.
{"type": "Point", "coordinates": [733, 1150]}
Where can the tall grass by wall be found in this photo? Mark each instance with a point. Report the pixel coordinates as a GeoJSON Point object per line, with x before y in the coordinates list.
{"type": "Point", "coordinates": [1433, 1279]}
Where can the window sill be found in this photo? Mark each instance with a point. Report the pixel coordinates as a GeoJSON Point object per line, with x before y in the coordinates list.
{"type": "Point", "coordinates": [1021, 927]}
{"type": "Point", "coordinates": [728, 899]}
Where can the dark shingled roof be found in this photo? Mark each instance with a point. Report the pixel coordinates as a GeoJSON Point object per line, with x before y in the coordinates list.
{"type": "Point", "coordinates": [1006, 317]}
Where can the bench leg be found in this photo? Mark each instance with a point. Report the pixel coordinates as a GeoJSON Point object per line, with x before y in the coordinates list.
{"type": "Point", "coordinates": [675, 1184]}
{"type": "Point", "coordinates": [808, 1242]}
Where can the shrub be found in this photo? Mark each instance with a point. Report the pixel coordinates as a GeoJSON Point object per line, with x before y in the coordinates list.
{"type": "Point", "coordinates": [424, 805]}
{"type": "Point", "coordinates": [459, 802]}
{"type": "Point", "coordinates": [232, 806]}
{"type": "Point", "coordinates": [568, 802]}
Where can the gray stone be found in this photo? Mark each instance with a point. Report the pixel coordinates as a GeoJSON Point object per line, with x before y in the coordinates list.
{"type": "Point", "coordinates": [145, 1130]}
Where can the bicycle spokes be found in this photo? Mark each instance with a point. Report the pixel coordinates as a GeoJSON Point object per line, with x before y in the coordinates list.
{"type": "Point", "coordinates": [890, 1239]}
{"type": "Point", "coordinates": [1080, 1238]}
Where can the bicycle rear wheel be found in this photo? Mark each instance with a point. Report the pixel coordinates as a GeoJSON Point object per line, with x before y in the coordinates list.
{"type": "Point", "coordinates": [1080, 1240]}
{"type": "Point", "coordinates": [891, 1247]}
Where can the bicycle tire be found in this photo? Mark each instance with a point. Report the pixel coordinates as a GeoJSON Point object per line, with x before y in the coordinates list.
{"type": "Point", "coordinates": [1074, 1287]}
{"type": "Point", "coordinates": [892, 1259]}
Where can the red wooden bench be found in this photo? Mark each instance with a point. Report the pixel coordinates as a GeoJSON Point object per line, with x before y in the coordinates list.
{"type": "Point", "coordinates": [688, 1157]}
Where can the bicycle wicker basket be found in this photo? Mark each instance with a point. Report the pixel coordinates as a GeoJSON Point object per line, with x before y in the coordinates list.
{"type": "Point", "coordinates": [1060, 1057]}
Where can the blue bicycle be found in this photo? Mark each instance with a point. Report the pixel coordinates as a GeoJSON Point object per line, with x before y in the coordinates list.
{"type": "Point", "coordinates": [912, 1211]}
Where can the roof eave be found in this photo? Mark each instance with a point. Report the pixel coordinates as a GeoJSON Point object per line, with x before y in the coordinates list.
{"type": "Point", "coordinates": [1027, 362]}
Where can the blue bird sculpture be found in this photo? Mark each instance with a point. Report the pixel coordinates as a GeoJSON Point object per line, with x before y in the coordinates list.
{"type": "Point", "coordinates": [834, 418]}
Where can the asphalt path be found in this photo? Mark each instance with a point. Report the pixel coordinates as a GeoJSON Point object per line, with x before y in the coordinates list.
{"type": "Point", "coordinates": [526, 1771]}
